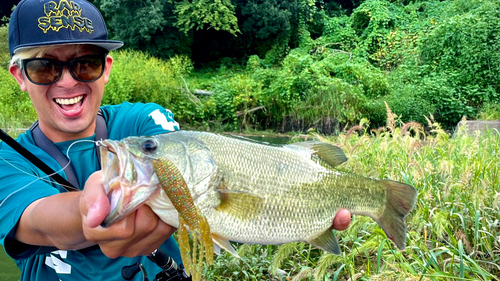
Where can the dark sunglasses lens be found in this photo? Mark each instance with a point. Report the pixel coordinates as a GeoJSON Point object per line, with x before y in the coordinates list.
{"type": "Point", "coordinates": [43, 71]}
{"type": "Point", "coordinates": [87, 68]}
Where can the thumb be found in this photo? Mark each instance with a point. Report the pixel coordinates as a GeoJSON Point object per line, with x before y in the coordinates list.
{"type": "Point", "coordinates": [342, 220]}
{"type": "Point", "coordinates": [94, 204]}
{"type": "Point", "coordinates": [96, 214]}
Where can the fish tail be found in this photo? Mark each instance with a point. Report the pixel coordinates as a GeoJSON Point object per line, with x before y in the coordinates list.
{"type": "Point", "coordinates": [400, 201]}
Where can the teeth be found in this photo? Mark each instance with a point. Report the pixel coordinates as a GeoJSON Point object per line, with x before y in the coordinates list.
{"type": "Point", "coordinates": [69, 101]}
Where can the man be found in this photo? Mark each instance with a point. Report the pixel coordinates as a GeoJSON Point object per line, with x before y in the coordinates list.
{"type": "Point", "coordinates": [59, 52]}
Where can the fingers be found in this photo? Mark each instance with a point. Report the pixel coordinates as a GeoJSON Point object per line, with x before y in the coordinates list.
{"type": "Point", "coordinates": [139, 233]}
{"type": "Point", "coordinates": [342, 220]}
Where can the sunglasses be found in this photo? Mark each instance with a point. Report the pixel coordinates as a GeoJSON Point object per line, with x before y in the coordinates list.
{"type": "Point", "coordinates": [45, 71]}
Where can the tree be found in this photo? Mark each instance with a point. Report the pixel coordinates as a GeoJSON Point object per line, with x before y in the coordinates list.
{"type": "Point", "coordinates": [200, 14]}
{"type": "Point", "coordinates": [147, 25]}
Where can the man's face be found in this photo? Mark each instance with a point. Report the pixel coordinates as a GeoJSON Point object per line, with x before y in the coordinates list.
{"type": "Point", "coordinates": [66, 109]}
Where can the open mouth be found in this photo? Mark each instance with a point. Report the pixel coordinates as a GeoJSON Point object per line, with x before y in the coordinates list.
{"type": "Point", "coordinates": [128, 180]}
{"type": "Point", "coordinates": [70, 104]}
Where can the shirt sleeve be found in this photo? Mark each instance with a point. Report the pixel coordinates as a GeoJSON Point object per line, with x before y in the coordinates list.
{"type": "Point", "coordinates": [20, 185]}
{"type": "Point", "coordinates": [156, 119]}
{"type": "Point", "coordinates": [138, 119]}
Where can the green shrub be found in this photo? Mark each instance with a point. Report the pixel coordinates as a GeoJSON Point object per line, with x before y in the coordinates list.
{"type": "Point", "coordinates": [449, 101]}
{"type": "Point", "coordinates": [338, 34]}
{"type": "Point", "coordinates": [253, 63]}
{"type": "Point", "coordinates": [328, 108]}
{"type": "Point", "coordinates": [137, 77]}
{"type": "Point", "coordinates": [372, 80]}
{"type": "Point", "coordinates": [4, 46]}
{"type": "Point", "coordinates": [464, 49]}
{"type": "Point", "coordinates": [16, 110]}
{"type": "Point", "coordinates": [372, 21]}
{"type": "Point", "coordinates": [233, 100]}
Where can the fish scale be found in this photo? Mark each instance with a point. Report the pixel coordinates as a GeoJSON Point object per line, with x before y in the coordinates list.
{"type": "Point", "coordinates": [255, 193]}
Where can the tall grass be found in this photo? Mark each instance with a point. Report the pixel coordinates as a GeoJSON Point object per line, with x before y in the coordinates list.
{"type": "Point", "coordinates": [453, 232]}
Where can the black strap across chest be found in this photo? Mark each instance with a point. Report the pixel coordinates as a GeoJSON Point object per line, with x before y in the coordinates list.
{"type": "Point", "coordinates": [101, 132]}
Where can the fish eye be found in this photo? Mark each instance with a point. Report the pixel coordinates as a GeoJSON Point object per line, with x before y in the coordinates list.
{"type": "Point", "coordinates": [149, 146]}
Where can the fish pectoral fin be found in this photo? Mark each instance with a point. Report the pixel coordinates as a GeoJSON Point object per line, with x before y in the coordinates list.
{"type": "Point", "coordinates": [223, 243]}
{"type": "Point", "coordinates": [326, 241]}
{"type": "Point", "coordinates": [332, 154]}
{"type": "Point", "coordinates": [239, 204]}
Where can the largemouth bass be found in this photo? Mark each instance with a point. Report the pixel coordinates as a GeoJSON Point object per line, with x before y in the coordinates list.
{"type": "Point", "coordinates": [248, 192]}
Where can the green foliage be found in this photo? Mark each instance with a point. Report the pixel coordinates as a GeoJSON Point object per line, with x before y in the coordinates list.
{"type": "Point", "coordinates": [278, 51]}
{"type": "Point", "coordinates": [490, 111]}
{"type": "Point", "coordinates": [372, 21]}
{"type": "Point", "coordinates": [198, 14]}
{"type": "Point", "coordinates": [450, 103]}
{"type": "Point", "coordinates": [270, 27]}
{"type": "Point", "coordinates": [254, 265]}
{"type": "Point", "coordinates": [16, 111]}
{"type": "Point", "coordinates": [318, 88]}
{"type": "Point", "coordinates": [442, 56]}
{"type": "Point", "coordinates": [131, 21]}
{"type": "Point", "coordinates": [329, 107]}
{"type": "Point", "coordinates": [338, 33]}
{"type": "Point", "coordinates": [137, 77]}
{"type": "Point", "coordinates": [424, 58]}
{"type": "Point", "coordinates": [148, 26]}
{"type": "Point", "coordinates": [233, 100]}
{"type": "Point", "coordinates": [408, 102]}
{"type": "Point", "coordinates": [253, 63]}
{"type": "Point", "coordinates": [4, 46]}
{"type": "Point", "coordinates": [268, 18]}
{"type": "Point", "coordinates": [463, 49]}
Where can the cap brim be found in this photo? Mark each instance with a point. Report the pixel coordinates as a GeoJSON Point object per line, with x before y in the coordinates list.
{"type": "Point", "coordinates": [109, 45]}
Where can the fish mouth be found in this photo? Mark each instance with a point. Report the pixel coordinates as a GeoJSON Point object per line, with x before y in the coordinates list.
{"type": "Point", "coordinates": [128, 179]}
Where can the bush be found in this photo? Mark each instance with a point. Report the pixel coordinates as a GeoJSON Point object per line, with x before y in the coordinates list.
{"type": "Point", "coordinates": [233, 100]}
{"type": "Point", "coordinates": [4, 46]}
{"type": "Point", "coordinates": [16, 110]}
{"type": "Point", "coordinates": [464, 49]}
{"type": "Point", "coordinates": [137, 77]}
{"type": "Point", "coordinates": [328, 108]}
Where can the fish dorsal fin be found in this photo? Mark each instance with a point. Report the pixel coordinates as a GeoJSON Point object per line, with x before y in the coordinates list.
{"type": "Point", "coordinates": [332, 154]}
{"type": "Point", "coordinates": [326, 241]}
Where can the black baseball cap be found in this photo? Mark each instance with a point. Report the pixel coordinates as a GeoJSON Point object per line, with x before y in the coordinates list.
{"type": "Point", "coordinates": [36, 23]}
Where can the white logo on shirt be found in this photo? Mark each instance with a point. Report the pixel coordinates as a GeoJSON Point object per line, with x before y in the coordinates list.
{"type": "Point", "coordinates": [58, 265]}
{"type": "Point", "coordinates": [161, 119]}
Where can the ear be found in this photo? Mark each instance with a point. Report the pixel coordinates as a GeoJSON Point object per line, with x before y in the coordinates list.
{"type": "Point", "coordinates": [18, 75]}
{"type": "Point", "coordinates": [107, 68]}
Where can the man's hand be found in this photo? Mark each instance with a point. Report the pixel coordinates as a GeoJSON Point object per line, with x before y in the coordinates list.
{"type": "Point", "coordinates": [139, 233]}
{"type": "Point", "coordinates": [342, 220]}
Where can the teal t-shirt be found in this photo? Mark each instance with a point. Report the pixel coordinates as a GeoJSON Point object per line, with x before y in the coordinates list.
{"type": "Point", "coordinates": [21, 183]}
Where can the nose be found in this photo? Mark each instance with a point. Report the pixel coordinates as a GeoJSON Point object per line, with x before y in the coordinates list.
{"type": "Point", "coordinates": [66, 79]}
